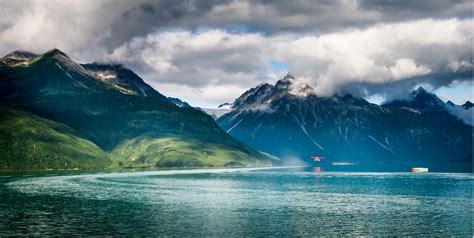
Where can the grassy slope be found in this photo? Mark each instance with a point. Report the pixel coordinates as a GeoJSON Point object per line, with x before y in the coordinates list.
{"type": "Point", "coordinates": [172, 151]}
{"type": "Point", "coordinates": [28, 142]}
{"type": "Point", "coordinates": [122, 125]}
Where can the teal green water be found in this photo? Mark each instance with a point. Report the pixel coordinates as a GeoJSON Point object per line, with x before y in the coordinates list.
{"type": "Point", "coordinates": [238, 202]}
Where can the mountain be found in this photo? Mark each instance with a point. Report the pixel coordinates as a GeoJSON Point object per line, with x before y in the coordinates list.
{"type": "Point", "coordinates": [419, 100]}
{"type": "Point", "coordinates": [58, 114]}
{"type": "Point", "coordinates": [16, 57]}
{"type": "Point", "coordinates": [289, 121]}
{"type": "Point", "coordinates": [467, 105]}
{"type": "Point", "coordinates": [422, 101]}
{"type": "Point", "coordinates": [122, 78]}
{"type": "Point", "coordinates": [178, 102]}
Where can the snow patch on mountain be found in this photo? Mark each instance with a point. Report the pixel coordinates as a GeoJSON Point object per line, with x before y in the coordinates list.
{"type": "Point", "coordinates": [106, 75]}
{"type": "Point", "coordinates": [307, 134]}
{"type": "Point", "coordinates": [236, 124]}
{"type": "Point", "coordinates": [381, 144]}
{"type": "Point", "coordinates": [300, 86]}
{"type": "Point", "coordinates": [266, 107]}
{"type": "Point", "coordinates": [120, 76]}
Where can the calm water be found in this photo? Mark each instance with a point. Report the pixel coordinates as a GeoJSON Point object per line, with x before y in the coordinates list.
{"type": "Point", "coordinates": [238, 202]}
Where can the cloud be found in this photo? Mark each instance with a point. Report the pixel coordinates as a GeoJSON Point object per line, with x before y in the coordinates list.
{"type": "Point", "coordinates": [410, 10]}
{"type": "Point", "coordinates": [359, 61]}
{"type": "Point", "coordinates": [88, 28]}
{"type": "Point", "coordinates": [381, 55]}
{"type": "Point", "coordinates": [466, 115]}
{"type": "Point", "coordinates": [215, 50]}
{"type": "Point", "coordinates": [322, 16]}
{"type": "Point", "coordinates": [83, 27]}
{"type": "Point", "coordinates": [406, 68]}
{"type": "Point", "coordinates": [213, 62]}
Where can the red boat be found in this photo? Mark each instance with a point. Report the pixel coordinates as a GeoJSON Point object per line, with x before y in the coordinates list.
{"type": "Point", "coordinates": [316, 158]}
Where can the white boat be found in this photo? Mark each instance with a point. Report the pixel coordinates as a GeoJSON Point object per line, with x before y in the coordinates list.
{"type": "Point", "coordinates": [419, 170]}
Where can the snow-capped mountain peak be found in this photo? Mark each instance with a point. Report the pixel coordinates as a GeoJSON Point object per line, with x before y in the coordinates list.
{"type": "Point", "coordinates": [344, 127]}
{"type": "Point", "coordinates": [260, 97]}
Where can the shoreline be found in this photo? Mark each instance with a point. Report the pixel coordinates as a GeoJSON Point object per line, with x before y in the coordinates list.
{"type": "Point", "coordinates": [198, 170]}
{"type": "Point", "coordinates": [25, 173]}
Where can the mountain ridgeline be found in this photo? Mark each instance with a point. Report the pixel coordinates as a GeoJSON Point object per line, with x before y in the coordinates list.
{"type": "Point", "coordinates": [293, 123]}
{"type": "Point", "coordinates": [58, 114]}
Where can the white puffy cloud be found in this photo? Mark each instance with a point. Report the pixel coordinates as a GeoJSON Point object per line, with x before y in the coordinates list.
{"type": "Point", "coordinates": [215, 66]}
{"type": "Point", "coordinates": [41, 25]}
{"type": "Point", "coordinates": [406, 68]}
{"type": "Point", "coordinates": [380, 54]}
{"type": "Point", "coordinates": [222, 61]}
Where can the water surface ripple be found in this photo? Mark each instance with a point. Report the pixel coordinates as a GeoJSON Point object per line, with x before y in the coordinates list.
{"type": "Point", "coordinates": [244, 202]}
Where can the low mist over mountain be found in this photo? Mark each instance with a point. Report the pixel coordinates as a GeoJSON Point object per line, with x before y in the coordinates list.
{"type": "Point", "coordinates": [58, 114]}
{"type": "Point", "coordinates": [288, 120]}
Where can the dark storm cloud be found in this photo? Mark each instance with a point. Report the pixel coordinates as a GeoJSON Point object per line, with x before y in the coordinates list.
{"type": "Point", "coordinates": [144, 18]}
{"type": "Point", "coordinates": [147, 8]}
{"type": "Point", "coordinates": [114, 23]}
{"type": "Point", "coordinates": [324, 16]}
{"type": "Point", "coordinates": [408, 9]}
{"type": "Point", "coordinates": [123, 20]}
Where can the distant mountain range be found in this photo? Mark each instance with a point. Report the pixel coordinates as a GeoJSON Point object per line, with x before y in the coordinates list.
{"type": "Point", "coordinates": [58, 114]}
{"type": "Point", "coordinates": [293, 123]}
{"type": "Point", "coordinates": [219, 111]}
{"type": "Point", "coordinates": [213, 112]}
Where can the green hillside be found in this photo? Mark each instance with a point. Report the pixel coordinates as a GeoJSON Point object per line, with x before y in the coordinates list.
{"type": "Point", "coordinates": [181, 152]}
{"type": "Point", "coordinates": [28, 142]}
{"type": "Point", "coordinates": [111, 107]}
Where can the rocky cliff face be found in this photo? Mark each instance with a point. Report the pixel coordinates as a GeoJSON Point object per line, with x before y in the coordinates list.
{"type": "Point", "coordinates": [291, 122]}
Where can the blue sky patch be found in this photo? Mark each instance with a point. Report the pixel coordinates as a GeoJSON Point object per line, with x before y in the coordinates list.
{"type": "Point", "coordinates": [278, 66]}
{"type": "Point", "coordinates": [458, 92]}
